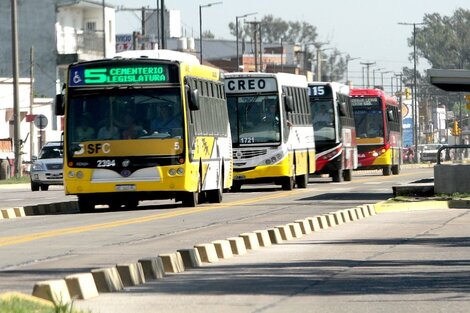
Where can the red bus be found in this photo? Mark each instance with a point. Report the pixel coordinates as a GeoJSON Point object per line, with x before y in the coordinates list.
{"type": "Point", "coordinates": [335, 133]}
{"type": "Point", "coordinates": [378, 130]}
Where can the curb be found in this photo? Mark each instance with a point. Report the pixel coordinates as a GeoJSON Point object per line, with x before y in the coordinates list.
{"type": "Point", "coordinates": [40, 209]}
{"type": "Point", "coordinates": [88, 285]}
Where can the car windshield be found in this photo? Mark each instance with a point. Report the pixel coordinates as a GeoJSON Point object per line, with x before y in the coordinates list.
{"type": "Point", "coordinates": [50, 153]}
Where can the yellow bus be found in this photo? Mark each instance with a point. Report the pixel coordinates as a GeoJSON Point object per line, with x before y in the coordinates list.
{"type": "Point", "coordinates": [272, 132]}
{"type": "Point", "coordinates": [145, 125]}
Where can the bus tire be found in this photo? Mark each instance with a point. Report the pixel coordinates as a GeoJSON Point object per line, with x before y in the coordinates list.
{"type": "Point", "coordinates": [190, 199]}
{"type": "Point", "coordinates": [301, 181]}
{"type": "Point", "coordinates": [396, 169]}
{"type": "Point", "coordinates": [337, 176]}
{"type": "Point", "coordinates": [236, 186]}
{"type": "Point", "coordinates": [216, 195]}
{"type": "Point", "coordinates": [131, 204]}
{"type": "Point", "coordinates": [85, 205]}
{"type": "Point", "coordinates": [287, 183]}
{"type": "Point", "coordinates": [387, 171]}
{"type": "Point", "coordinates": [347, 175]}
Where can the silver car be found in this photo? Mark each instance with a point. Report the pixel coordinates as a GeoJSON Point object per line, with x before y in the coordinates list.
{"type": "Point", "coordinates": [47, 169]}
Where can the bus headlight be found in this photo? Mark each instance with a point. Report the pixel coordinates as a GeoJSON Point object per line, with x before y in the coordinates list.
{"type": "Point", "coordinates": [172, 172]}
{"type": "Point", "coordinates": [180, 171]}
{"type": "Point", "coordinates": [71, 174]}
{"type": "Point", "coordinates": [80, 174]}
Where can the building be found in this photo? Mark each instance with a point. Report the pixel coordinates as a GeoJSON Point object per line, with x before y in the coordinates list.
{"type": "Point", "coordinates": [58, 32]}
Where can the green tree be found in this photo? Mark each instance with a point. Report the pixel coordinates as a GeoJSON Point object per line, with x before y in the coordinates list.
{"type": "Point", "coordinates": [275, 29]}
{"type": "Point", "coordinates": [207, 34]}
{"type": "Point", "coordinates": [444, 41]}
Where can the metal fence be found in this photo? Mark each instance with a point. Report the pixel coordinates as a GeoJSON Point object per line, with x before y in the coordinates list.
{"type": "Point", "coordinates": [458, 154]}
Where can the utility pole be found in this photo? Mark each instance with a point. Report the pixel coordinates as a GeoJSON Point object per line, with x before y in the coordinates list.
{"type": "Point", "coordinates": [31, 101]}
{"type": "Point", "coordinates": [414, 93]}
{"type": "Point", "coordinates": [256, 25]}
{"type": "Point", "coordinates": [16, 98]}
{"type": "Point", "coordinates": [318, 48]}
{"type": "Point", "coordinates": [162, 20]}
{"type": "Point", "coordinates": [104, 29]}
{"type": "Point", "coordinates": [368, 64]}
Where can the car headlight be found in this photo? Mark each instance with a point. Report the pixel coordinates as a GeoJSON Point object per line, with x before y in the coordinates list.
{"type": "Point", "coordinates": [37, 167]}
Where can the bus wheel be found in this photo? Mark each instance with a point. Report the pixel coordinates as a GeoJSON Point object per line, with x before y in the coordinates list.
{"type": "Point", "coordinates": [287, 183]}
{"type": "Point", "coordinates": [216, 195]}
{"type": "Point", "coordinates": [131, 204]}
{"type": "Point", "coordinates": [387, 170]}
{"type": "Point", "coordinates": [337, 176]}
{"type": "Point", "coordinates": [301, 181]}
{"type": "Point", "coordinates": [395, 169]}
{"type": "Point", "coordinates": [85, 205]}
{"type": "Point", "coordinates": [236, 186]}
{"type": "Point", "coordinates": [190, 199]}
{"type": "Point", "coordinates": [347, 175]}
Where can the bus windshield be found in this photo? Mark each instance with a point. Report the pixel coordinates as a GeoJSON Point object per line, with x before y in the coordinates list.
{"type": "Point", "coordinates": [368, 116]}
{"type": "Point", "coordinates": [254, 119]}
{"type": "Point", "coordinates": [123, 114]}
{"type": "Point", "coordinates": [323, 119]}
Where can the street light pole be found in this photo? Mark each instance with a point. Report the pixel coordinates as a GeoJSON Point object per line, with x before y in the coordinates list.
{"type": "Point", "coordinates": [200, 25]}
{"type": "Point", "coordinates": [413, 95]}
{"type": "Point", "coordinates": [236, 30]}
{"type": "Point", "coordinates": [348, 58]}
{"type": "Point", "coordinates": [16, 97]}
{"type": "Point", "coordinates": [368, 64]}
{"type": "Point", "coordinates": [382, 77]}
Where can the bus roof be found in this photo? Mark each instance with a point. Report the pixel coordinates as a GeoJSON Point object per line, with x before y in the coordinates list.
{"type": "Point", "coordinates": [285, 79]}
{"type": "Point", "coordinates": [160, 55]}
{"type": "Point", "coordinates": [338, 87]}
{"type": "Point", "coordinates": [372, 92]}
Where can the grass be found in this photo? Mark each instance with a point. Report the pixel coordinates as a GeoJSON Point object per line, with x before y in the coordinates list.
{"type": "Point", "coordinates": [16, 304]}
{"type": "Point", "coordinates": [20, 180]}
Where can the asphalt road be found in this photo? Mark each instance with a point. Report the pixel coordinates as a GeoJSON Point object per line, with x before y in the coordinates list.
{"type": "Point", "coordinates": [49, 247]}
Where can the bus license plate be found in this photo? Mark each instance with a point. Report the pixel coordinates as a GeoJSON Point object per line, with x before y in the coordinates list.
{"type": "Point", "coordinates": [239, 177]}
{"type": "Point", "coordinates": [125, 188]}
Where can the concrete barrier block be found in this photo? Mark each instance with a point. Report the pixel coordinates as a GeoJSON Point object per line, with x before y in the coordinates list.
{"type": "Point", "coordinates": [19, 212]}
{"type": "Point", "coordinates": [352, 214]}
{"type": "Point", "coordinates": [172, 263]}
{"type": "Point", "coordinates": [314, 223]}
{"type": "Point", "coordinates": [238, 245]}
{"type": "Point", "coordinates": [338, 218]}
{"type": "Point", "coordinates": [346, 217]}
{"type": "Point", "coordinates": [251, 241]}
{"type": "Point", "coordinates": [286, 233]}
{"type": "Point", "coordinates": [364, 211]}
{"type": "Point", "coordinates": [263, 238]}
{"type": "Point", "coordinates": [8, 213]}
{"type": "Point", "coordinates": [29, 210]}
{"type": "Point", "coordinates": [359, 213]}
{"type": "Point", "coordinates": [304, 226]}
{"type": "Point", "coordinates": [152, 268]}
{"type": "Point", "coordinates": [322, 220]}
{"type": "Point", "coordinates": [207, 252]}
{"type": "Point", "coordinates": [131, 274]}
{"type": "Point", "coordinates": [330, 220]}
{"type": "Point", "coordinates": [190, 257]}
{"type": "Point", "coordinates": [371, 208]}
{"type": "Point", "coordinates": [42, 209]}
{"type": "Point", "coordinates": [52, 290]}
{"type": "Point", "coordinates": [223, 249]}
{"type": "Point", "coordinates": [107, 279]}
{"type": "Point", "coordinates": [295, 230]}
{"type": "Point", "coordinates": [275, 236]}
{"type": "Point", "coordinates": [81, 286]}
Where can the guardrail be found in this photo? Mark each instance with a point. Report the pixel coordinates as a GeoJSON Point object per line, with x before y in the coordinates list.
{"type": "Point", "coordinates": [449, 147]}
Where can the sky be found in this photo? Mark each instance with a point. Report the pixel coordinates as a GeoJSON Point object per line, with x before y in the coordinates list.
{"type": "Point", "coordinates": [364, 29]}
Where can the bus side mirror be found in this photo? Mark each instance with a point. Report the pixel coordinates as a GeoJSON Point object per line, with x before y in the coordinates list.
{"type": "Point", "coordinates": [288, 103]}
{"type": "Point", "coordinates": [342, 109]}
{"type": "Point", "coordinates": [59, 104]}
{"type": "Point", "coordinates": [194, 100]}
{"type": "Point", "coordinates": [390, 115]}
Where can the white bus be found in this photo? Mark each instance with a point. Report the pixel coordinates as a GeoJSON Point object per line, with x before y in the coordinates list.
{"type": "Point", "coordinates": [271, 126]}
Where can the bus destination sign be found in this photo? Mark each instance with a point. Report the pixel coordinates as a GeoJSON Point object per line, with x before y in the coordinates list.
{"type": "Point", "coordinates": [80, 75]}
